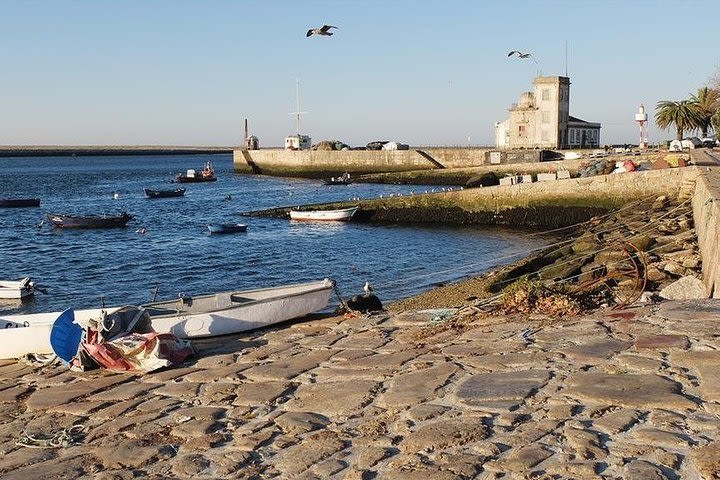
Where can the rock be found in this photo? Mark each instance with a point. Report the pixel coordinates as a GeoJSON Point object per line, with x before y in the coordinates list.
{"type": "Point", "coordinates": [365, 303]}
{"type": "Point", "coordinates": [628, 390]}
{"type": "Point", "coordinates": [416, 387]}
{"type": "Point", "coordinates": [500, 391]}
{"type": "Point", "coordinates": [642, 242]}
{"type": "Point", "coordinates": [617, 421]}
{"type": "Point", "coordinates": [661, 202]}
{"type": "Point", "coordinates": [643, 470]}
{"type": "Point", "coordinates": [707, 460]}
{"type": "Point", "coordinates": [487, 179]}
{"type": "Point", "coordinates": [297, 423]}
{"type": "Point", "coordinates": [519, 459]}
{"type": "Point", "coordinates": [190, 465]}
{"type": "Point", "coordinates": [661, 342]}
{"type": "Point", "coordinates": [674, 268]}
{"type": "Point", "coordinates": [586, 243]}
{"type": "Point", "coordinates": [333, 399]}
{"type": "Point", "coordinates": [259, 393]}
{"type": "Point", "coordinates": [685, 288]}
{"type": "Point", "coordinates": [443, 434]}
{"type": "Point", "coordinates": [313, 449]}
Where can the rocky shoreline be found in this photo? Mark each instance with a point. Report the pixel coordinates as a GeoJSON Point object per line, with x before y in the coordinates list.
{"type": "Point", "coordinates": [513, 388]}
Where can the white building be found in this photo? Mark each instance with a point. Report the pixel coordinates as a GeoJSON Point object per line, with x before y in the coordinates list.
{"type": "Point", "coordinates": [541, 119]}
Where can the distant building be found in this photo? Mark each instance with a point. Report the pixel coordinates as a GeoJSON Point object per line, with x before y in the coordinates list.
{"type": "Point", "coordinates": [541, 119]}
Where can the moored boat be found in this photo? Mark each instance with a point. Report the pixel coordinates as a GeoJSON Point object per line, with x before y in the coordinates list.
{"type": "Point", "coordinates": [341, 215]}
{"type": "Point", "coordinates": [186, 317]}
{"type": "Point", "coordinates": [178, 192]}
{"type": "Point", "coordinates": [17, 289]}
{"type": "Point", "coordinates": [227, 227]}
{"type": "Point", "coordinates": [19, 202]}
{"type": "Point", "coordinates": [90, 221]}
{"type": "Point", "coordinates": [191, 176]}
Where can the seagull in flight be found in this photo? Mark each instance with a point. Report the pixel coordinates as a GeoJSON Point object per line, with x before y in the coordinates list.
{"type": "Point", "coordinates": [324, 30]}
{"type": "Point", "coordinates": [521, 55]}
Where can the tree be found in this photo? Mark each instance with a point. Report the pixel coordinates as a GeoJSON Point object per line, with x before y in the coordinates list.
{"type": "Point", "coordinates": [685, 115]}
{"type": "Point", "coordinates": [716, 124]}
{"type": "Point", "coordinates": [708, 101]}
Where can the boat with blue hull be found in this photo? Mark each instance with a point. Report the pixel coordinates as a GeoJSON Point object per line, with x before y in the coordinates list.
{"type": "Point", "coordinates": [227, 227]}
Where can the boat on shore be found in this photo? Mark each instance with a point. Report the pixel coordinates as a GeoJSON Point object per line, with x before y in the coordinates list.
{"type": "Point", "coordinates": [191, 176]}
{"type": "Point", "coordinates": [178, 192]}
{"type": "Point", "coordinates": [186, 317]}
{"type": "Point", "coordinates": [227, 227]}
{"type": "Point", "coordinates": [16, 289]}
{"type": "Point", "coordinates": [341, 215]}
{"type": "Point", "coordinates": [19, 202]}
{"type": "Point", "coordinates": [90, 221]}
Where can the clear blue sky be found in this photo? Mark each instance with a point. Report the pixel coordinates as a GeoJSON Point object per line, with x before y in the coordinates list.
{"type": "Point", "coordinates": [420, 72]}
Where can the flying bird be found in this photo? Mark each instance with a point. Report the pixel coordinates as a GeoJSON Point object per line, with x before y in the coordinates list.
{"type": "Point", "coordinates": [324, 30]}
{"type": "Point", "coordinates": [521, 55]}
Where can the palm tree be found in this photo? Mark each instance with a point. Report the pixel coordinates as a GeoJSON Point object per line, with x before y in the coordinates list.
{"type": "Point", "coordinates": [708, 100]}
{"type": "Point", "coordinates": [685, 115]}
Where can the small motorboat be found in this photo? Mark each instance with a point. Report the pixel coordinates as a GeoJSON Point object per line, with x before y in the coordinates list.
{"type": "Point", "coordinates": [211, 315]}
{"type": "Point", "coordinates": [344, 179]}
{"type": "Point", "coordinates": [342, 215]}
{"type": "Point", "coordinates": [227, 227]}
{"type": "Point", "coordinates": [17, 289]}
{"type": "Point", "coordinates": [90, 221]}
{"type": "Point", "coordinates": [191, 176]}
{"type": "Point", "coordinates": [19, 202]}
{"type": "Point", "coordinates": [178, 192]}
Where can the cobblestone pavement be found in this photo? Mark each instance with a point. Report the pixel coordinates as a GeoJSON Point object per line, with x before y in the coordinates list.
{"type": "Point", "coordinates": [632, 394]}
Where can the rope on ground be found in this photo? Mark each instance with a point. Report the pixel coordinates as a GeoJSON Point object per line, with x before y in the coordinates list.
{"type": "Point", "coordinates": [66, 437]}
{"type": "Point", "coordinates": [342, 301]}
{"type": "Point", "coordinates": [39, 359]}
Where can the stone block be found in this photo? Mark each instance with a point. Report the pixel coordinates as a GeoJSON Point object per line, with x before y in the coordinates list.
{"type": "Point", "coordinates": [546, 177]}
{"type": "Point", "coordinates": [506, 181]}
{"type": "Point", "coordinates": [563, 174]}
{"type": "Point", "coordinates": [685, 288]}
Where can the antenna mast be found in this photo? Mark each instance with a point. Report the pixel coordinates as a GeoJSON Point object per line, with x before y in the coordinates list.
{"type": "Point", "coordinates": [297, 111]}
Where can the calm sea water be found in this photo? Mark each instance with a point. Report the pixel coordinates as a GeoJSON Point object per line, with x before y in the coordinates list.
{"type": "Point", "coordinates": [177, 254]}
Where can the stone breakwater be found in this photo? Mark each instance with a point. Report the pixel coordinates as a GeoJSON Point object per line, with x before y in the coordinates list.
{"type": "Point", "coordinates": [613, 395]}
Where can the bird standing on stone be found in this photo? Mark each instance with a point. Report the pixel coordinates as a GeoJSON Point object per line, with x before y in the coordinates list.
{"type": "Point", "coordinates": [367, 288]}
{"type": "Point", "coordinates": [522, 55]}
{"type": "Point", "coordinates": [324, 30]}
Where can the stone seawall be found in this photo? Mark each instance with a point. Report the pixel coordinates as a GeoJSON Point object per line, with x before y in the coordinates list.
{"type": "Point", "coordinates": [322, 163]}
{"type": "Point", "coordinates": [541, 204]}
{"type": "Point", "coordinates": [706, 213]}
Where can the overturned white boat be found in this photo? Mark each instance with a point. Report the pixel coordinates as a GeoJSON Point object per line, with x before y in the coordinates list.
{"type": "Point", "coordinates": [17, 289]}
{"type": "Point", "coordinates": [341, 215]}
{"type": "Point", "coordinates": [186, 317]}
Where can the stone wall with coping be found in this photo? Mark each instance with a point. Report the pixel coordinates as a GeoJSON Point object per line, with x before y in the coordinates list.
{"type": "Point", "coordinates": [706, 214]}
{"type": "Point", "coordinates": [324, 162]}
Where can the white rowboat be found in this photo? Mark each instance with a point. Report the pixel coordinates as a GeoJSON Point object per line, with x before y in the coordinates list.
{"type": "Point", "coordinates": [16, 289]}
{"type": "Point", "coordinates": [342, 215]}
{"type": "Point", "coordinates": [189, 317]}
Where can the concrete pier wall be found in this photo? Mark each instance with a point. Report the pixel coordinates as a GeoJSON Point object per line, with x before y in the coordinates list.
{"type": "Point", "coordinates": [540, 204]}
{"type": "Point", "coordinates": [321, 163]}
{"type": "Point", "coordinates": [706, 214]}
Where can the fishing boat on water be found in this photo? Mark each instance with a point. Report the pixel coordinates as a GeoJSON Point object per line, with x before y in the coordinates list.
{"type": "Point", "coordinates": [191, 176]}
{"type": "Point", "coordinates": [17, 289]}
{"type": "Point", "coordinates": [186, 317]}
{"type": "Point", "coordinates": [227, 227]}
{"type": "Point", "coordinates": [90, 221]}
{"type": "Point", "coordinates": [178, 192]}
{"type": "Point", "coordinates": [341, 215]}
{"type": "Point", "coordinates": [19, 202]}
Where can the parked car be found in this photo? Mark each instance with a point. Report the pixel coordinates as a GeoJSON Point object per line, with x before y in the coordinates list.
{"type": "Point", "coordinates": [708, 142]}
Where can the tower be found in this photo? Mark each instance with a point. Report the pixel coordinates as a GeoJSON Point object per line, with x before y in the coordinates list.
{"type": "Point", "coordinates": [641, 118]}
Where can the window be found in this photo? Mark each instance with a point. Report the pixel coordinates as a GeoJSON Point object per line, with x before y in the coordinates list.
{"type": "Point", "coordinates": [545, 117]}
{"type": "Point", "coordinates": [545, 94]}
